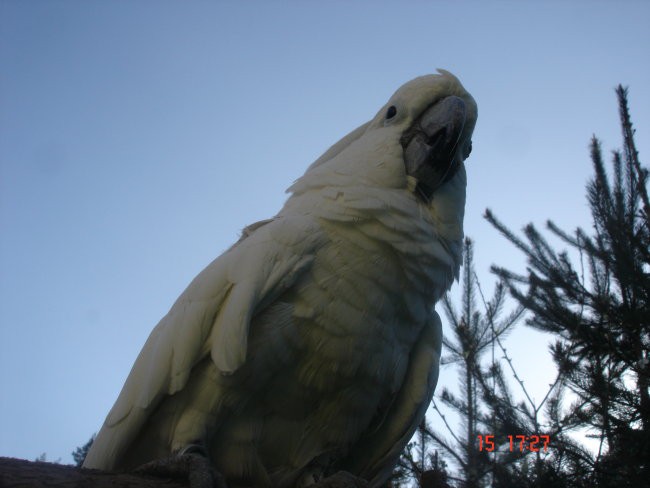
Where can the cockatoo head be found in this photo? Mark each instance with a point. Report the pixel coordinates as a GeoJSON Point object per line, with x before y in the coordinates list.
{"type": "Point", "coordinates": [415, 145]}
{"type": "Point", "coordinates": [433, 117]}
{"type": "Point", "coordinates": [419, 138]}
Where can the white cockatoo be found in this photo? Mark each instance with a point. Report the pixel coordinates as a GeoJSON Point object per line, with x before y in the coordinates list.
{"type": "Point", "coordinates": [312, 345]}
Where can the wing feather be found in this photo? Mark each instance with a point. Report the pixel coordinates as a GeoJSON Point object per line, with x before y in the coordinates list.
{"type": "Point", "coordinates": [212, 316]}
{"type": "Point", "coordinates": [376, 454]}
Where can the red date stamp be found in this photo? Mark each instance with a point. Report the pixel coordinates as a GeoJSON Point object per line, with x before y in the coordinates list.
{"type": "Point", "coordinates": [531, 443]}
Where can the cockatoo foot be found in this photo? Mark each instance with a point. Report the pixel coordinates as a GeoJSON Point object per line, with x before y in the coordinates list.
{"type": "Point", "coordinates": [190, 463]}
{"type": "Point", "coordinates": [342, 479]}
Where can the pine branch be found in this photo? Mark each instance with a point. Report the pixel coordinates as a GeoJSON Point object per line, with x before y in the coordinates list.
{"type": "Point", "coordinates": [444, 419]}
{"type": "Point", "coordinates": [507, 358]}
{"type": "Point", "coordinates": [631, 153]}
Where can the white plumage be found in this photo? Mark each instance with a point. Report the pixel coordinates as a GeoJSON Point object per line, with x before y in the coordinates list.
{"type": "Point", "coordinates": [311, 345]}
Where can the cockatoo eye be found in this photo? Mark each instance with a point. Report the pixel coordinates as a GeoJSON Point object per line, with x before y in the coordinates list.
{"type": "Point", "coordinates": [391, 112]}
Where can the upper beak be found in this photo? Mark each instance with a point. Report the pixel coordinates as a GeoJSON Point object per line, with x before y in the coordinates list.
{"type": "Point", "coordinates": [431, 144]}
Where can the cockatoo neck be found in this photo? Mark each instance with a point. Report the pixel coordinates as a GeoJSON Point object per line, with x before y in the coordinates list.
{"type": "Point", "coordinates": [428, 241]}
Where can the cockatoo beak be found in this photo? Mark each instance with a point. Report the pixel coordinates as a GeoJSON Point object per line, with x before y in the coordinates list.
{"type": "Point", "coordinates": [431, 145]}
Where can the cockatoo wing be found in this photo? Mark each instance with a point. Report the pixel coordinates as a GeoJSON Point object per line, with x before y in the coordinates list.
{"type": "Point", "coordinates": [211, 316]}
{"type": "Point", "coordinates": [376, 454]}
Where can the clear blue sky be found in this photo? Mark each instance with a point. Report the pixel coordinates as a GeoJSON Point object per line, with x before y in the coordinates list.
{"type": "Point", "coordinates": [137, 138]}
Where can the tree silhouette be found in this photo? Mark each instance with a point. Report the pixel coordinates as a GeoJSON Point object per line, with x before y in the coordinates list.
{"type": "Point", "coordinates": [79, 454]}
{"type": "Point", "coordinates": [600, 315]}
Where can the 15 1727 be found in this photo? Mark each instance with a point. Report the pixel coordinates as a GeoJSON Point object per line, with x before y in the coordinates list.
{"type": "Point", "coordinates": [533, 443]}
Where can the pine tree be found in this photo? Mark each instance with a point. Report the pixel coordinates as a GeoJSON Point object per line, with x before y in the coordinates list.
{"type": "Point", "coordinates": [489, 413]}
{"type": "Point", "coordinates": [473, 336]}
{"type": "Point", "coordinates": [79, 454]}
{"type": "Point", "coordinates": [602, 320]}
